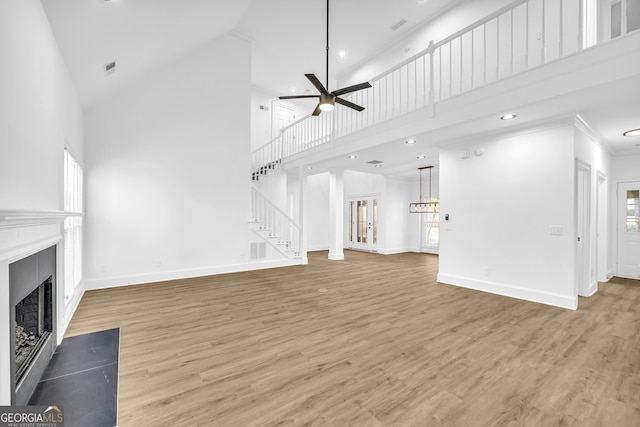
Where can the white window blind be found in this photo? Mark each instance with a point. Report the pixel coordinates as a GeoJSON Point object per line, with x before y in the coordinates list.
{"type": "Point", "coordinates": [72, 225]}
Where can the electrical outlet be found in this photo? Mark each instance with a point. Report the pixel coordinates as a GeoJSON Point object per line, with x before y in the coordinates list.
{"type": "Point", "coordinates": [556, 230]}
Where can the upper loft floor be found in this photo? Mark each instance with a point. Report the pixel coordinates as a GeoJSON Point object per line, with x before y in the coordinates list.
{"type": "Point", "coordinates": [540, 59]}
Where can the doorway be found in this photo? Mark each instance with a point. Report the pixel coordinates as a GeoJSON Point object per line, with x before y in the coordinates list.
{"type": "Point", "coordinates": [583, 227]}
{"type": "Point", "coordinates": [363, 223]}
{"type": "Point", "coordinates": [629, 229]}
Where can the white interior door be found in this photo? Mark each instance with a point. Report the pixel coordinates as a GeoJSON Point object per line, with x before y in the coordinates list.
{"type": "Point", "coordinates": [363, 223]}
{"type": "Point", "coordinates": [281, 117]}
{"type": "Point", "coordinates": [629, 229]}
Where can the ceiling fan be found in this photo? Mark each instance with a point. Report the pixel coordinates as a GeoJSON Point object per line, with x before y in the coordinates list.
{"type": "Point", "coordinates": [328, 99]}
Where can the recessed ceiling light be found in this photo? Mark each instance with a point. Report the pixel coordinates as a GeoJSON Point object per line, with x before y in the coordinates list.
{"type": "Point", "coordinates": [509, 116]}
{"type": "Point", "coordinates": [293, 90]}
{"type": "Point", "coordinates": [421, 157]}
{"type": "Point", "coordinates": [632, 132]}
{"type": "Point", "coordinates": [410, 141]}
{"type": "Point", "coordinates": [342, 54]}
{"type": "Point", "coordinates": [353, 156]}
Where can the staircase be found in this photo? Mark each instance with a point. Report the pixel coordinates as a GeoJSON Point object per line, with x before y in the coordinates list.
{"type": "Point", "coordinates": [514, 39]}
{"type": "Point", "coordinates": [275, 227]}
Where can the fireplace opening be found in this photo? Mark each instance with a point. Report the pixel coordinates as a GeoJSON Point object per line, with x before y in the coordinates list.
{"type": "Point", "coordinates": [33, 314]}
{"type": "Point", "coordinates": [33, 325]}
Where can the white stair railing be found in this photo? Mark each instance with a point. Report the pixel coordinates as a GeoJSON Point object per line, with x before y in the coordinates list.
{"type": "Point", "coordinates": [276, 226]}
{"type": "Point", "coordinates": [523, 35]}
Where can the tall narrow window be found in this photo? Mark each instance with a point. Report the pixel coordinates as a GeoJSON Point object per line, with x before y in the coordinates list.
{"type": "Point", "coordinates": [633, 211]}
{"type": "Point", "coordinates": [432, 222]}
{"type": "Point", "coordinates": [72, 225]}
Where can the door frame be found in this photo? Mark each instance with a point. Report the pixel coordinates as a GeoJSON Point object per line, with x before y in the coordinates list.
{"type": "Point", "coordinates": [582, 239]}
{"type": "Point", "coordinates": [618, 226]}
{"type": "Point", "coordinates": [351, 229]}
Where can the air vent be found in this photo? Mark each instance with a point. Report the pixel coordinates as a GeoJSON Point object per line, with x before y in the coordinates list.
{"type": "Point", "coordinates": [375, 162]}
{"type": "Point", "coordinates": [398, 24]}
{"type": "Point", "coordinates": [109, 68]}
{"type": "Point", "coordinates": [258, 250]}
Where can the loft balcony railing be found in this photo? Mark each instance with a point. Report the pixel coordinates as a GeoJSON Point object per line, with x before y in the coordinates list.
{"type": "Point", "coordinates": [523, 35]}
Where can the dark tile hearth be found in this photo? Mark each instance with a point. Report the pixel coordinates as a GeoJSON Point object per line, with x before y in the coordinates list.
{"type": "Point", "coordinates": [82, 376]}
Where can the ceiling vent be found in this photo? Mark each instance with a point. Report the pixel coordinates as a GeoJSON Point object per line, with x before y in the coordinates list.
{"type": "Point", "coordinates": [398, 24]}
{"type": "Point", "coordinates": [109, 68]}
{"type": "Point", "coordinates": [375, 162]}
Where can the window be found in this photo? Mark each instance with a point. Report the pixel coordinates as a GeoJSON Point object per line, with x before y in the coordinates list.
{"type": "Point", "coordinates": [72, 225]}
{"type": "Point", "coordinates": [432, 222]}
{"type": "Point", "coordinates": [633, 211]}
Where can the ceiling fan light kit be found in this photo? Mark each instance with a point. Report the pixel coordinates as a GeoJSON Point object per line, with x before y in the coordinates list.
{"type": "Point", "coordinates": [328, 99]}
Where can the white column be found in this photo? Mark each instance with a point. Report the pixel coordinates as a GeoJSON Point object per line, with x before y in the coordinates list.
{"type": "Point", "coordinates": [336, 215]}
{"type": "Point", "coordinates": [302, 220]}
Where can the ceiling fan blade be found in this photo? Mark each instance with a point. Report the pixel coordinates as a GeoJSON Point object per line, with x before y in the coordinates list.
{"type": "Point", "coordinates": [317, 111]}
{"type": "Point", "coordinates": [298, 96]}
{"type": "Point", "coordinates": [350, 89]}
{"type": "Point", "coordinates": [349, 104]}
{"type": "Point", "coordinates": [314, 80]}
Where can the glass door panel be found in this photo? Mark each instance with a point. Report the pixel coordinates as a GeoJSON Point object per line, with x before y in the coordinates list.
{"type": "Point", "coordinates": [363, 223]}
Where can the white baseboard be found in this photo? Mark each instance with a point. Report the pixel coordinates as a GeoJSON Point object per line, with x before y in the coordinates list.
{"type": "Point", "coordinates": [609, 274]}
{"type": "Point", "coordinates": [136, 279]}
{"type": "Point", "coordinates": [70, 309]}
{"type": "Point", "coordinates": [593, 287]}
{"type": "Point", "coordinates": [393, 251]}
{"type": "Point", "coordinates": [317, 248]}
{"type": "Point", "coordinates": [526, 294]}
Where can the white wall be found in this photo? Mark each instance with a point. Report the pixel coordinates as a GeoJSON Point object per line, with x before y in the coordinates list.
{"type": "Point", "coordinates": [501, 206]}
{"type": "Point", "coordinates": [318, 212]}
{"type": "Point", "coordinates": [395, 218]}
{"type": "Point", "coordinates": [167, 171]}
{"type": "Point", "coordinates": [625, 168]}
{"type": "Point", "coordinates": [261, 120]}
{"type": "Point", "coordinates": [393, 214]}
{"type": "Point", "coordinates": [39, 110]}
{"type": "Point", "coordinates": [39, 115]}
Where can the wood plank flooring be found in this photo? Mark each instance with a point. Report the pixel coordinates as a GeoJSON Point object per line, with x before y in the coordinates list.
{"type": "Point", "coordinates": [385, 345]}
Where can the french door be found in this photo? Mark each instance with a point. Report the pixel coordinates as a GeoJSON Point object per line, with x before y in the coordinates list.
{"type": "Point", "coordinates": [629, 229]}
{"type": "Point", "coordinates": [363, 223]}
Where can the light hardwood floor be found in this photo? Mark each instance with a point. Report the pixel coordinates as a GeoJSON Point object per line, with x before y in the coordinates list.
{"type": "Point", "coordinates": [384, 345]}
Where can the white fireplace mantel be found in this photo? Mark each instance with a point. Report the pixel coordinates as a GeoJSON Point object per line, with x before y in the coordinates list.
{"type": "Point", "coordinates": [24, 233]}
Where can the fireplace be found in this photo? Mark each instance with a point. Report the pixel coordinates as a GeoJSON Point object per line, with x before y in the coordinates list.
{"type": "Point", "coordinates": [34, 324]}
{"type": "Point", "coordinates": [32, 294]}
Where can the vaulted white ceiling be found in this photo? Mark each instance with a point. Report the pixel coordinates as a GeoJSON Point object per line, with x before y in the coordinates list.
{"type": "Point", "coordinates": [288, 36]}
{"type": "Point", "coordinates": [288, 40]}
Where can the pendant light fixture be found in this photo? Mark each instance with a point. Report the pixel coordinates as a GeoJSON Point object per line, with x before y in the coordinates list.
{"type": "Point", "coordinates": [421, 206]}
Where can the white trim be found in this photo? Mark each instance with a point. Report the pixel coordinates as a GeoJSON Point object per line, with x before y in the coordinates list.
{"type": "Point", "coordinates": [594, 136]}
{"type": "Point", "coordinates": [557, 300]}
{"type": "Point", "coordinates": [317, 248]}
{"type": "Point", "coordinates": [593, 288]}
{"type": "Point", "coordinates": [17, 218]}
{"type": "Point", "coordinates": [336, 257]}
{"type": "Point", "coordinates": [393, 251]}
{"type": "Point", "coordinates": [138, 279]}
